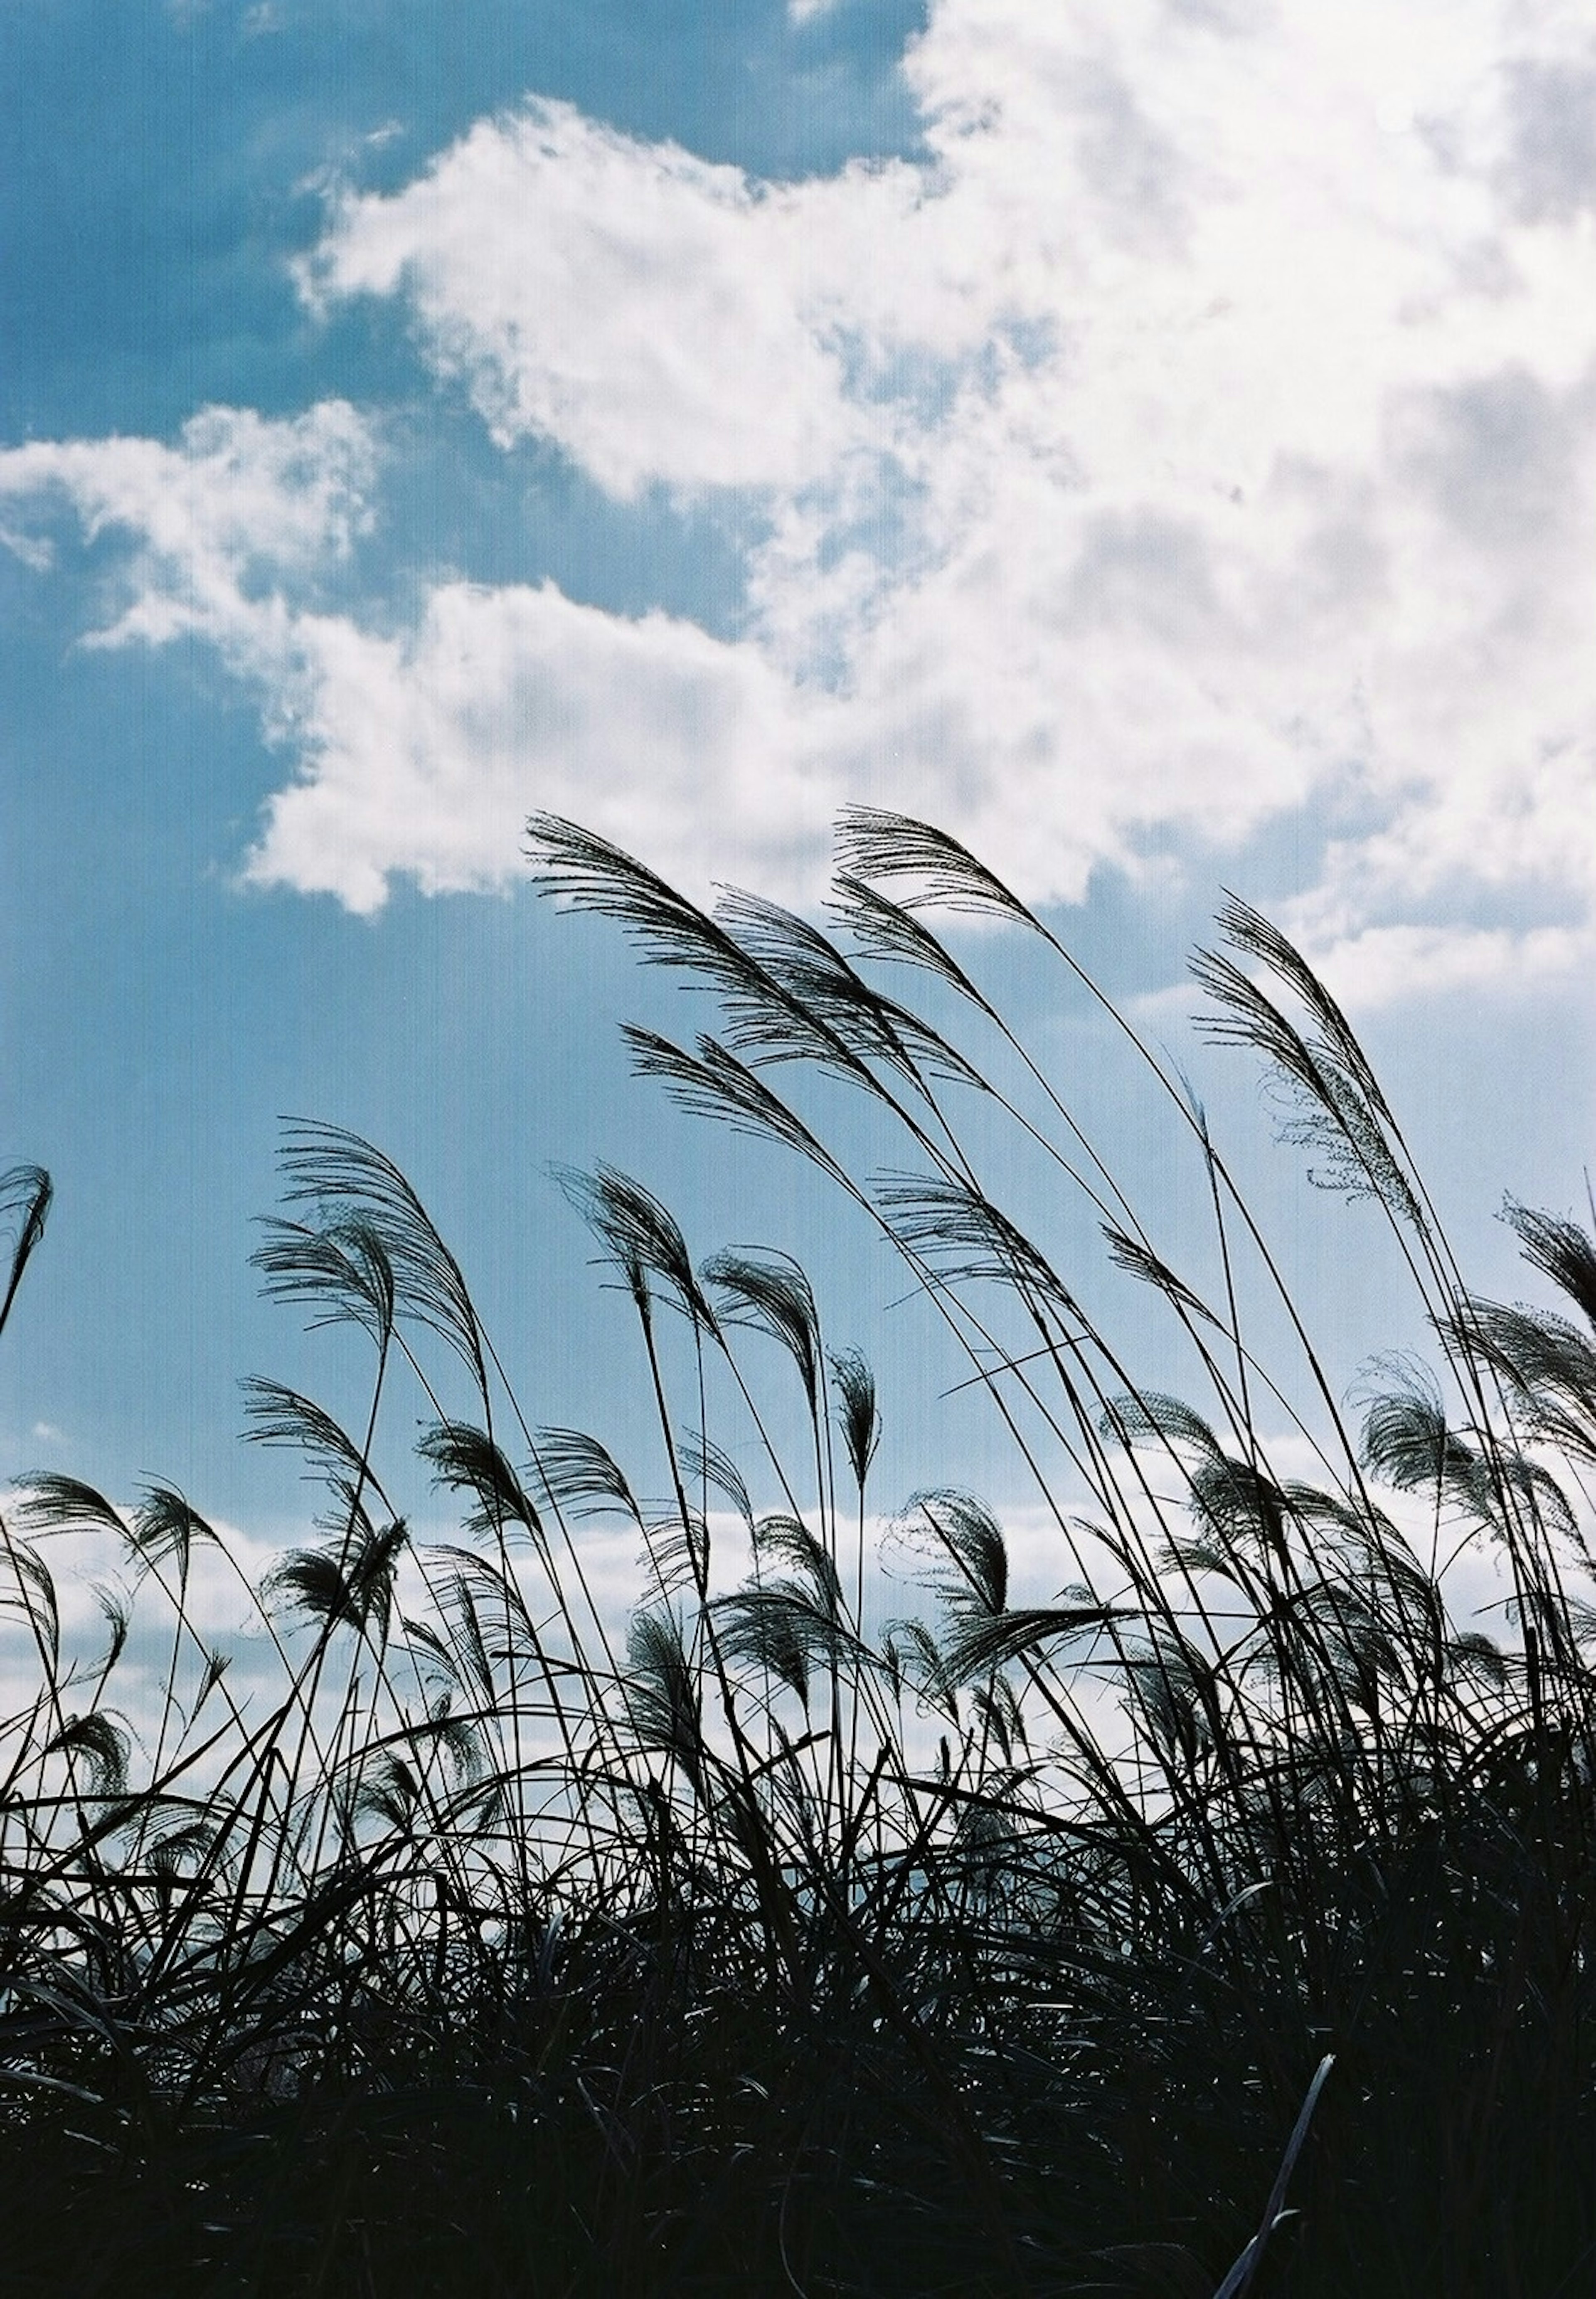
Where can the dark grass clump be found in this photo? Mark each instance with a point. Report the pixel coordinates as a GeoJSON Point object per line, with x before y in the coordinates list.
{"type": "Point", "coordinates": [1219, 1924]}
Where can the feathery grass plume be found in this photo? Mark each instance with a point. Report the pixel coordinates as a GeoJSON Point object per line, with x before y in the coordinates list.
{"type": "Point", "coordinates": [579, 1476]}
{"type": "Point", "coordinates": [188, 1840]}
{"type": "Point", "coordinates": [166, 1527]}
{"type": "Point", "coordinates": [351, 1586]}
{"type": "Point", "coordinates": [276, 1414]}
{"type": "Point", "coordinates": [331, 1168]}
{"type": "Point", "coordinates": [216, 1666]}
{"type": "Point", "coordinates": [343, 1267]}
{"type": "Point", "coordinates": [1545, 1365]}
{"type": "Point", "coordinates": [935, 1683]}
{"type": "Point", "coordinates": [714, 1084]}
{"type": "Point", "coordinates": [1473, 1655]}
{"type": "Point", "coordinates": [765, 1021]}
{"type": "Point", "coordinates": [782, 1540]}
{"type": "Point", "coordinates": [1249, 932]}
{"type": "Point", "coordinates": [1536, 1352]}
{"type": "Point", "coordinates": [32, 1594]}
{"type": "Point", "coordinates": [814, 973]}
{"type": "Point", "coordinates": [706, 1464]}
{"type": "Point", "coordinates": [1335, 1106]}
{"type": "Point", "coordinates": [1137, 1259]}
{"type": "Point", "coordinates": [25, 1195]}
{"type": "Point", "coordinates": [1149, 1417]}
{"type": "Point", "coordinates": [858, 1416]}
{"type": "Point", "coordinates": [466, 1459]}
{"type": "Point", "coordinates": [1242, 1509]}
{"type": "Point", "coordinates": [956, 1528]}
{"type": "Point", "coordinates": [1365, 1542]}
{"type": "Point", "coordinates": [777, 1626]}
{"type": "Point", "coordinates": [953, 1229]}
{"type": "Point", "coordinates": [675, 1549]}
{"type": "Point", "coordinates": [116, 1612]}
{"type": "Point", "coordinates": [1364, 1651]}
{"type": "Point", "coordinates": [466, 1653]}
{"type": "Point", "coordinates": [587, 872]}
{"type": "Point", "coordinates": [1560, 1248]}
{"type": "Point", "coordinates": [1408, 1442]}
{"type": "Point", "coordinates": [982, 1642]}
{"type": "Point", "coordinates": [874, 843]}
{"type": "Point", "coordinates": [442, 1662]}
{"type": "Point", "coordinates": [458, 1737]}
{"type": "Point", "coordinates": [1174, 1695]}
{"type": "Point", "coordinates": [1002, 1707]}
{"type": "Point", "coordinates": [494, 1580]}
{"type": "Point", "coordinates": [662, 1690]}
{"type": "Point", "coordinates": [767, 1291]}
{"type": "Point", "coordinates": [49, 1502]}
{"type": "Point", "coordinates": [103, 1744]}
{"type": "Point", "coordinates": [884, 929]}
{"type": "Point", "coordinates": [388, 1790]}
{"type": "Point", "coordinates": [642, 1237]}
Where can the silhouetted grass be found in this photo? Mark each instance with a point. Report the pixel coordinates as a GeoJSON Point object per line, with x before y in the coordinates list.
{"type": "Point", "coordinates": [1220, 1925]}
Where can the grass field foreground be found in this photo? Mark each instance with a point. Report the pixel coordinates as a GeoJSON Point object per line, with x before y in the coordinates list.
{"type": "Point", "coordinates": [1221, 1925]}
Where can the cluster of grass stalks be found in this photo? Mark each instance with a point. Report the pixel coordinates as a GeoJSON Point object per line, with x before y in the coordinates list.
{"type": "Point", "coordinates": [1221, 1926]}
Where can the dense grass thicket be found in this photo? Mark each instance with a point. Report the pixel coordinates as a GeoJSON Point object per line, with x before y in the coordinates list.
{"type": "Point", "coordinates": [1222, 1925]}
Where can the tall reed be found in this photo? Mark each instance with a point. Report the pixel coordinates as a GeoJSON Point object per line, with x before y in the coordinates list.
{"type": "Point", "coordinates": [1220, 1924]}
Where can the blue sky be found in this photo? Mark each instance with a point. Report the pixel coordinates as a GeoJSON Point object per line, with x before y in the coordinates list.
{"type": "Point", "coordinates": [1156, 440]}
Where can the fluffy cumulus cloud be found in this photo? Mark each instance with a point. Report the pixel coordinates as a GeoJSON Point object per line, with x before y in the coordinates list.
{"type": "Point", "coordinates": [632, 287]}
{"type": "Point", "coordinates": [1204, 429]}
{"type": "Point", "coordinates": [421, 749]}
{"type": "Point", "coordinates": [424, 751]}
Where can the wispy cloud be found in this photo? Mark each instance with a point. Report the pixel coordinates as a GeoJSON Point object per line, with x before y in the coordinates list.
{"type": "Point", "coordinates": [212, 528]}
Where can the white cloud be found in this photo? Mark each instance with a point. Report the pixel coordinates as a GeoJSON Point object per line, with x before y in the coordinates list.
{"type": "Point", "coordinates": [633, 285]}
{"type": "Point", "coordinates": [1205, 431]}
{"type": "Point", "coordinates": [426, 753]}
{"type": "Point", "coordinates": [1210, 425]}
{"type": "Point", "coordinates": [215, 523]}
